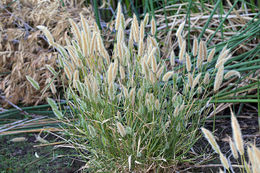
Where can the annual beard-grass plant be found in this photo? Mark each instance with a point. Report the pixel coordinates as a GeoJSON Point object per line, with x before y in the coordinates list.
{"type": "Point", "coordinates": [130, 109]}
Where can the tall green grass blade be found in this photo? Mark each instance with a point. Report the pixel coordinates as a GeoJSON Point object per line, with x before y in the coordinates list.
{"type": "Point", "coordinates": [96, 12]}
{"type": "Point", "coordinates": [209, 19]}
{"type": "Point", "coordinates": [221, 23]}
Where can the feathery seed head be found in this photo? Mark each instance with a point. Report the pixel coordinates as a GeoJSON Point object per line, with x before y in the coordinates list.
{"type": "Point", "coordinates": [153, 26]}
{"type": "Point", "coordinates": [206, 78]}
{"type": "Point", "coordinates": [208, 135]}
{"type": "Point", "coordinates": [224, 161]}
{"type": "Point", "coordinates": [120, 129]}
{"type": "Point", "coordinates": [237, 136]}
{"type": "Point", "coordinates": [160, 71]}
{"type": "Point", "coordinates": [188, 63]}
{"type": "Point", "coordinates": [110, 73]}
{"type": "Point", "coordinates": [135, 28]}
{"type": "Point", "coordinates": [221, 63]}
{"type": "Point", "coordinates": [232, 73]}
{"type": "Point", "coordinates": [200, 55]}
{"type": "Point", "coordinates": [125, 91]}
{"type": "Point", "coordinates": [141, 36]}
{"type": "Point", "coordinates": [167, 76]}
{"type": "Point", "coordinates": [195, 47]}
{"type": "Point", "coordinates": [172, 58]}
{"type": "Point", "coordinates": [122, 72]}
{"type": "Point", "coordinates": [211, 55]}
{"type": "Point", "coordinates": [141, 48]}
{"type": "Point", "coordinates": [180, 41]}
{"type": "Point", "coordinates": [222, 55]}
{"type": "Point", "coordinates": [152, 77]}
{"type": "Point", "coordinates": [68, 72]}
{"type": "Point", "coordinates": [196, 81]}
{"type": "Point", "coordinates": [190, 79]}
{"type": "Point", "coordinates": [47, 34]}
{"type": "Point", "coordinates": [75, 78]}
{"type": "Point", "coordinates": [154, 64]}
{"type": "Point", "coordinates": [76, 31]}
{"type": "Point", "coordinates": [219, 78]}
{"type": "Point", "coordinates": [233, 148]}
{"type": "Point", "coordinates": [115, 69]}
{"type": "Point", "coordinates": [179, 31]}
{"type": "Point", "coordinates": [118, 16]}
{"type": "Point", "coordinates": [157, 104]}
{"type": "Point", "coordinates": [146, 70]}
{"type": "Point", "coordinates": [182, 51]}
{"type": "Point", "coordinates": [146, 19]}
{"type": "Point", "coordinates": [204, 50]}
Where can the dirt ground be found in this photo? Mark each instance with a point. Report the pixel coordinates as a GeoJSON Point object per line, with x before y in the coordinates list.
{"type": "Point", "coordinates": [26, 157]}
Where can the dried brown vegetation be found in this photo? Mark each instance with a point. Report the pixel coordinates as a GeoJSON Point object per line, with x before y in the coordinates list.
{"type": "Point", "coordinates": [23, 49]}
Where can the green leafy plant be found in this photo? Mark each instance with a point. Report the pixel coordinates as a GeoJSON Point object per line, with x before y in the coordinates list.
{"type": "Point", "coordinates": [133, 110]}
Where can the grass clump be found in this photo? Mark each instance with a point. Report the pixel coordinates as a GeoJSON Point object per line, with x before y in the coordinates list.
{"type": "Point", "coordinates": [131, 109]}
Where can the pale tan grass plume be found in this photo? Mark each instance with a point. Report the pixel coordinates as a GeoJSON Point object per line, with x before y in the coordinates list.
{"type": "Point", "coordinates": [196, 81]}
{"type": "Point", "coordinates": [211, 55]}
{"type": "Point", "coordinates": [179, 31]}
{"type": "Point", "coordinates": [122, 72]}
{"type": "Point", "coordinates": [200, 55]}
{"type": "Point", "coordinates": [172, 58]}
{"type": "Point", "coordinates": [190, 79]}
{"type": "Point", "coordinates": [219, 78]}
{"type": "Point", "coordinates": [146, 19]}
{"type": "Point", "coordinates": [182, 51]}
{"type": "Point", "coordinates": [233, 148]}
{"type": "Point", "coordinates": [224, 161]}
{"type": "Point", "coordinates": [47, 34]}
{"type": "Point", "coordinates": [208, 135]}
{"type": "Point", "coordinates": [120, 129]}
{"type": "Point", "coordinates": [237, 135]}
{"type": "Point", "coordinates": [195, 47]}
{"type": "Point", "coordinates": [188, 63]}
{"type": "Point", "coordinates": [110, 73]}
{"type": "Point", "coordinates": [160, 71]}
{"type": "Point", "coordinates": [153, 26]}
{"type": "Point", "coordinates": [118, 16]}
{"type": "Point", "coordinates": [232, 73]}
{"type": "Point", "coordinates": [167, 76]}
{"type": "Point", "coordinates": [206, 79]}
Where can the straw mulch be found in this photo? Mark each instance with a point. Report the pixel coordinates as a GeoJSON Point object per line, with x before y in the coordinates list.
{"type": "Point", "coordinates": [24, 50]}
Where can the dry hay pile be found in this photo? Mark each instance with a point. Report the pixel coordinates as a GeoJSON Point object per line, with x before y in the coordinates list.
{"type": "Point", "coordinates": [24, 50]}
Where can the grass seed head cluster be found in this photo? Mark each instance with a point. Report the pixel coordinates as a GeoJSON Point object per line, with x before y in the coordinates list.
{"type": "Point", "coordinates": [237, 149]}
{"type": "Point", "coordinates": [128, 109]}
